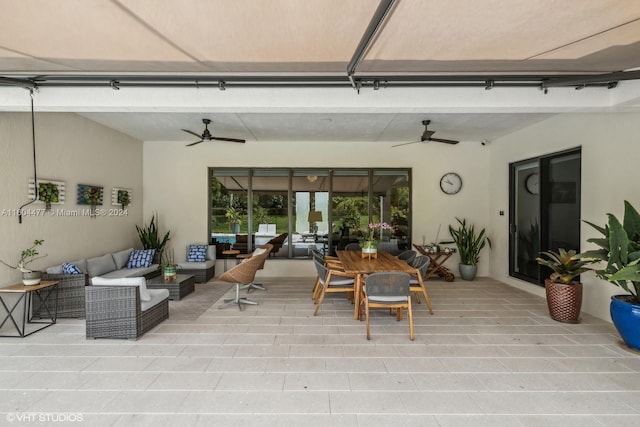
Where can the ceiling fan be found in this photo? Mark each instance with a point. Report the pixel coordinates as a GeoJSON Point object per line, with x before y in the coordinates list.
{"type": "Point", "coordinates": [206, 135]}
{"type": "Point", "coordinates": [426, 136]}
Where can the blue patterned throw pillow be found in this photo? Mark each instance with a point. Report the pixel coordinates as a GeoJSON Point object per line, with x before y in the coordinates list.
{"type": "Point", "coordinates": [141, 258]}
{"type": "Point", "coordinates": [68, 268]}
{"type": "Point", "coordinates": [197, 253]}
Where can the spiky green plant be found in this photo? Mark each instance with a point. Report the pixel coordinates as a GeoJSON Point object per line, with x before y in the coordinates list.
{"type": "Point", "coordinates": [469, 242]}
{"type": "Point", "coordinates": [150, 238]}
{"type": "Point", "coordinates": [566, 265]}
{"type": "Point", "coordinates": [620, 250]}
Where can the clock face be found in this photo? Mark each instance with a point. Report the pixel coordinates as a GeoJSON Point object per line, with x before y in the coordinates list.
{"type": "Point", "coordinates": [450, 183]}
{"type": "Point", "coordinates": [531, 183]}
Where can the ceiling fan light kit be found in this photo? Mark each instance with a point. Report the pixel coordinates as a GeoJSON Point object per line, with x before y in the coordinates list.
{"type": "Point", "coordinates": [206, 135]}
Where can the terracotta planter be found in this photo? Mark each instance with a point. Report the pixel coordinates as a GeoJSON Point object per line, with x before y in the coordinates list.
{"type": "Point", "coordinates": [564, 301]}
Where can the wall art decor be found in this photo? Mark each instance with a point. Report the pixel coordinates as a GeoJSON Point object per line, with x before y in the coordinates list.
{"type": "Point", "coordinates": [49, 192]}
{"type": "Point", "coordinates": [89, 195]}
{"type": "Point", "coordinates": [121, 197]}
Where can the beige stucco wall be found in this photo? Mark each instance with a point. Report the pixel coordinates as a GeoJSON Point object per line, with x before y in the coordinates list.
{"type": "Point", "coordinates": [176, 185]}
{"type": "Point", "coordinates": [610, 175]}
{"type": "Point", "coordinates": [77, 151]}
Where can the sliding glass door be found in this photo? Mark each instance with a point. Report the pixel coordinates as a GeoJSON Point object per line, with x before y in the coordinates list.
{"type": "Point", "coordinates": [544, 211]}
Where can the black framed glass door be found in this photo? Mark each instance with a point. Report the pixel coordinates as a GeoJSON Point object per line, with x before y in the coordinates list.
{"type": "Point", "coordinates": [544, 210]}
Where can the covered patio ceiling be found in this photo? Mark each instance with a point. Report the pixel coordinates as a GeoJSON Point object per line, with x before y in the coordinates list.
{"type": "Point", "coordinates": [237, 62]}
{"type": "Point", "coordinates": [326, 42]}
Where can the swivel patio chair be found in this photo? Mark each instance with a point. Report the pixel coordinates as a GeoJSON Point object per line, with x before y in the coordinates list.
{"type": "Point", "coordinates": [388, 290]}
{"type": "Point", "coordinates": [243, 275]}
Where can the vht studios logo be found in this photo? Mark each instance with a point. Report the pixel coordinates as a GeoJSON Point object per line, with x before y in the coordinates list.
{"type": "Point", "coordinates": [44, 417]}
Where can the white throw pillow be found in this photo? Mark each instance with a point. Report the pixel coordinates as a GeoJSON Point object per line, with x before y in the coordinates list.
{"type": "Point", "coordinates": [140, 282]}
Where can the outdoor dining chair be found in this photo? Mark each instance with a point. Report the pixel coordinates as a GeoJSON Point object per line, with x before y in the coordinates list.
{"type": "Point", "coordinates": [332, 280]}
{"type": "Point", "coordinates": [390, 290]}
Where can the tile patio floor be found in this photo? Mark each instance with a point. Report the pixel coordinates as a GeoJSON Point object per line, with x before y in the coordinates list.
{"type": "Point", "coordinates": [489, 356]}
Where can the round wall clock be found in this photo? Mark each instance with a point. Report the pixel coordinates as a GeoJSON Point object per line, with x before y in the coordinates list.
{"type": "Point", "coordinates": [450, 183]}
{"type": "Point", "coordinates": [531, 183]}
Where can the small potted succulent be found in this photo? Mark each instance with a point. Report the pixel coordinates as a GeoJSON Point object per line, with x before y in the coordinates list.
{"type": "Point", "coordinates": [27, 256]}
{"type": "Point", "coordinates": [564, 293]}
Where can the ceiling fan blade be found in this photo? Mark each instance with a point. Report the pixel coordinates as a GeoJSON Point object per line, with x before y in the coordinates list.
{"type": "Point", "coordinates": [427, 134]}
{"type": "Point", "coordinates": [193, 143]}
{"type": "Point", "coordinates": [406, 143]}
{"type": "Point", "coordinates": [192, 133]}
{"type": "Point", "coordinates": [229, 139]}
{"type": "Point", "coordinates": [446, 141]}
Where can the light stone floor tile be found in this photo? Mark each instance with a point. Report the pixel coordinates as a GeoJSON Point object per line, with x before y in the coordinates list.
{"type": "Point", "coordinates": [488, 356]}
{"type": "Point", "coordinates": [477, 420]}
{"type": "Point", "coordinates": [185, 381]}
{"type": "Point", "coordinates": [316, 381]}
{"type": "Point", "coordinates": [239, 381]}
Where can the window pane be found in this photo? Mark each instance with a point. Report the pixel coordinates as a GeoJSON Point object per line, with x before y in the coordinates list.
{"type": "Point", "coordinates": [391, 205]}
{"type": "Point", "coordinates": [310, 211]}
{"type": "Point", "coordinates": [270, 192]}
{"type": "Point", "coordinates": [229, 201]}
{"type": "Point", "coordinates": [350, 206]}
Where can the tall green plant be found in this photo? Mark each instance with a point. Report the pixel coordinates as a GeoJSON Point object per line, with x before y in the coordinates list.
{"type": "Point", "coordinates": [469, 242]}
{"type": "Point", "coordinates": [150, 238]}
{"type": "Point", "coordinates": [620, 249]}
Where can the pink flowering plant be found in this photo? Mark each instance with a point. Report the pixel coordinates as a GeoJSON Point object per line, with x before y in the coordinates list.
{"type": "Point", "coordinates": [370, 239]}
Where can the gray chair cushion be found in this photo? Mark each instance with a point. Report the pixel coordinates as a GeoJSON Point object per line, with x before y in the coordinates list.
{"type": "Point", "coordinates": [121, 258]}
{"type": "Point", "coordinates": [100, 265]}
{"type": "Point", "coordinates": [157, 295]}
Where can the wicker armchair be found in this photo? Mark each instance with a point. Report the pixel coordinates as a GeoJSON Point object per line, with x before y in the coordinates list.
{"type": "Point", "coordinates": [117, 311]}
{"type": "Point", "coordinates": [243, 276]}
{"type": "Point", "coordinates": [70, 294]}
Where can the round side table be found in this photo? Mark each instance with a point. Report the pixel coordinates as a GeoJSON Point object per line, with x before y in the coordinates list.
{"type": "Point", "coordinates": [227, 254]}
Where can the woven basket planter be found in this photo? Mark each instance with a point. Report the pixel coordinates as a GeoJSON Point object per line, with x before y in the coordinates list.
{"type": "Point", "coordinates": [564, 301]}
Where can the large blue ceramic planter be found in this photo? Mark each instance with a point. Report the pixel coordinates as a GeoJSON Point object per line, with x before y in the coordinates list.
{"type": "Point", "coordinates": [626, 319]}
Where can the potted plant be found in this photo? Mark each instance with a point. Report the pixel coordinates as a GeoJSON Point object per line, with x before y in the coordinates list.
{"type": "Point", "coordinates": [469, 243]}
{"type": "Point", "coordinates": [369, 241]}
{"type": "Point", "coordinates": [48, 193]}
{"type": "Point", "coordinates": [233, 216]}
{"type": "Point", "coordinates": [123, 198]}
{"type": "Point", "coordinates": [150, 239]}
{"type": "Point", "coordinates": [564, 294]}
{"type": "Point", "coordinates": [27, 256]}
{"type": "Point", "coordinates": [168, 265]}
{"type": "Point", "coordinates": [620, 250]}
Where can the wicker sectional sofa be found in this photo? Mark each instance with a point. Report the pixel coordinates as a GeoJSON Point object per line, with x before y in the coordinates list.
{"type": "Point", "coordinates": [123, 308]}
{"type": "Point", "coordinates": [71, 292]}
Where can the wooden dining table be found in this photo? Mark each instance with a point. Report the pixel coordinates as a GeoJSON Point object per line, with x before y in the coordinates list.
{"type": "Point", "coordinates": [353, 263]}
